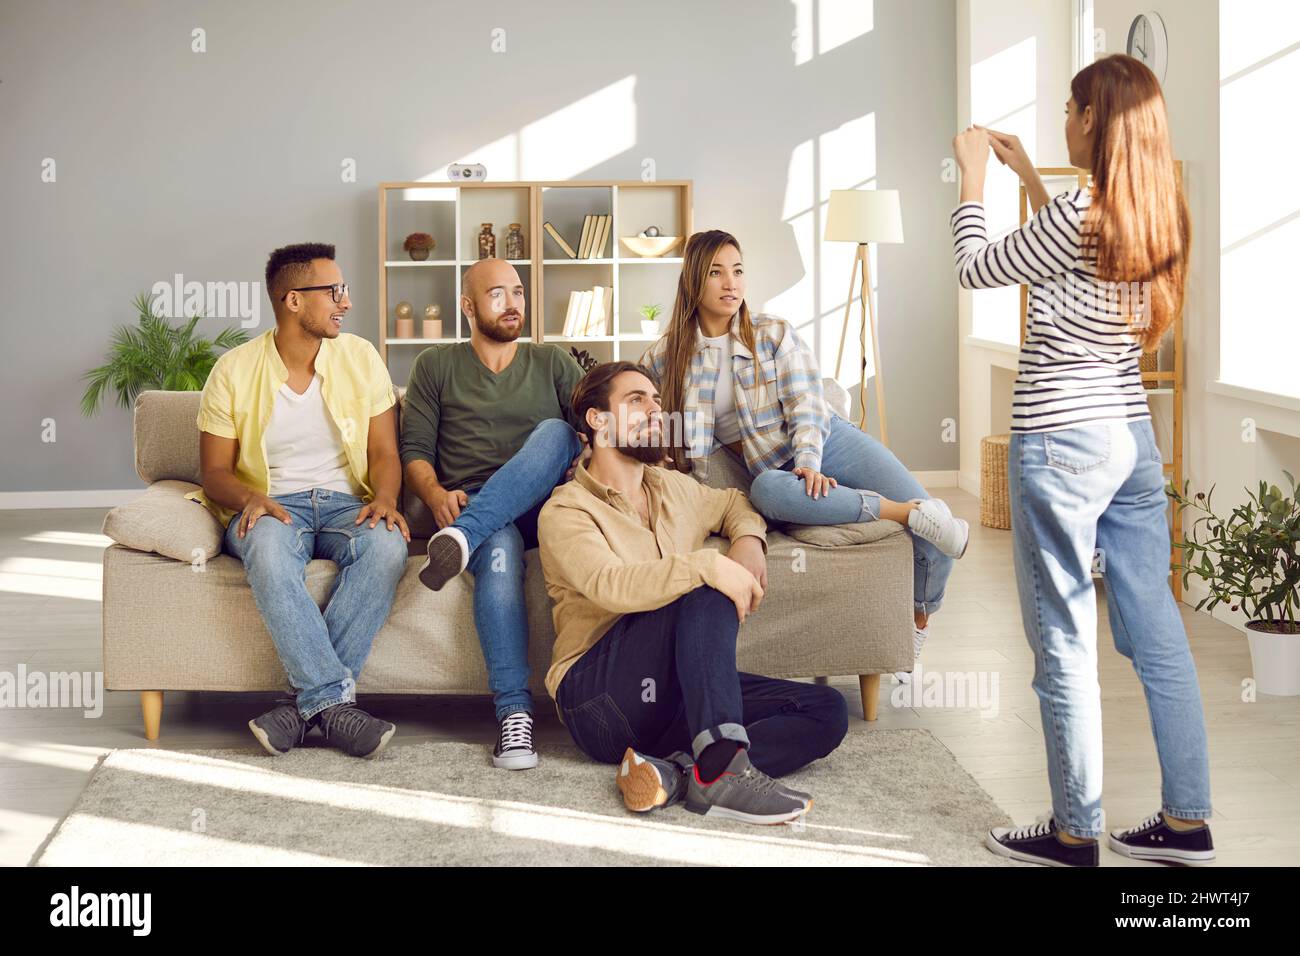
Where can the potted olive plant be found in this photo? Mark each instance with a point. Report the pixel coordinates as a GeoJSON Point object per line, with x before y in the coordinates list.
{"type": "Point", "coordinates": [155, 354]}
{"type": "Point", "coordinates": [1250, 562]}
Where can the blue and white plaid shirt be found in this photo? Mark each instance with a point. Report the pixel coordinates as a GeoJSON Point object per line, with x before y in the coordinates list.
{"type": "Point", "coordinates": [780, 407]}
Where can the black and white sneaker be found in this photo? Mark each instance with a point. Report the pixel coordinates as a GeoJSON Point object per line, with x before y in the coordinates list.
{"type": "Point", "coordinates": [447, 556]}
{"type": "Point", "coordinates": [1154, 839]}
{"type": "Point", "coordinates": [514, 749]}
{"type": "Point", "coordinates": [1038, 843]}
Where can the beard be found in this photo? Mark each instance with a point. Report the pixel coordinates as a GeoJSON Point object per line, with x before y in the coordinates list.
{"type": "Point", "coordinates": [319, 328]}
{"type": "Point", "coordinates": [499, 333]}
{"type": "Point", "coordinates": [645, 447]}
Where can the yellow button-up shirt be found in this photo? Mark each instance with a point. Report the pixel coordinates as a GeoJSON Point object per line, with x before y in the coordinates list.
{"type": "Point", "coordinates": [601, 562]}
{"type": "Point", "coordinates": [240, 394]}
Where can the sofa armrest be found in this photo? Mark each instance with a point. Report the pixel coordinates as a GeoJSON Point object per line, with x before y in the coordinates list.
{"type": "Point", "coordinates": [165, 522]}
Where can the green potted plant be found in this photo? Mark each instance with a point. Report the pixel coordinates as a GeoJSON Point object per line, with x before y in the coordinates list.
{"type": "Point", "coordinates": [1250, 562]}
{"type": "Point", "coordinates": [155, 354]}
{"type": "Point", "coordinates": [418, 245]}
{"type": "Point", "coordinates": [650, 319]}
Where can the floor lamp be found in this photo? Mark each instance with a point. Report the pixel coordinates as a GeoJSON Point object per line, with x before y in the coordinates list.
{"type": "Point", "coordinates": [864, 216]}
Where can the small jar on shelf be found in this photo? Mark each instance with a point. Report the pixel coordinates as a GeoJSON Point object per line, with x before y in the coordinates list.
{"type": "Point", "coordinates": [487, 242]}
{"type": "Point", "coordinates": [515, 242]}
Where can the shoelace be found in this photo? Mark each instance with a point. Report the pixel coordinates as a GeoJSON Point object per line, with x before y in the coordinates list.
{"type": "Point", "coordinates": [1144, 825]}
{"type": "Point", "coordinates": [1041, 827]}
{"type": "Point", "coordinates": [756, 780]}
{"type": "Point", "coordinates": [344, 719]}
{"type": "Point", "coordinates": [517, 732]}
{"type": "Point", "coordinates": [924, 524]}
{"type": "Point", "coordinates": [290, 721]}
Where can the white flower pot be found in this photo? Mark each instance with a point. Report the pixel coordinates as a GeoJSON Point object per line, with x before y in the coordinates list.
{"type": "Point", "coordinates": [1276, 662]}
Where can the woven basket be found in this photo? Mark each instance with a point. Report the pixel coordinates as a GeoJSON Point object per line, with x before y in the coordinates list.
{"type": "Point", "coordinates": [1150, 362]}
{"type": "Point", "coordinates": [995, 503]}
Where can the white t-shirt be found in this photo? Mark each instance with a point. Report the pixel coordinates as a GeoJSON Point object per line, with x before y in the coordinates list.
{"type": "Point", "coordinates": [304, 448]}
{"type": "Point", "coordinates": [726, 428]}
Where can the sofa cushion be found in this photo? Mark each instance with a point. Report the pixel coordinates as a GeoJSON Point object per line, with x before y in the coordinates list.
{"type": "Point", "coordinates": [164, 522]}
{"type": "Point", "coordinates": [167, 436]}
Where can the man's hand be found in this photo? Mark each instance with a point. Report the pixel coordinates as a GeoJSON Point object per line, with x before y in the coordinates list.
{"type": "Point", "coordinates": [747, 551]}
{"type": "Point", "coordinates": [736, 582]}
{"type": "Point", "coordinates": [446, 505]}
{"type": "Point", "coordinates": [259, 505]}
{"type": "Point", "coordinates": [583, 456]}
{"type": "Point", "coordinates": [384, 510]}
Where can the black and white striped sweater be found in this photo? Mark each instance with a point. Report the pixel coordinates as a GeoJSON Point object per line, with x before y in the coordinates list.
{"type": "Point", "coordinates": [1079, 360]}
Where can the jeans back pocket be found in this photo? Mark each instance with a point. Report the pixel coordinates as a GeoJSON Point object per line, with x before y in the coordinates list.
{"type": "Point", "coordinates": [599, 728]}
{"type": "Point", "coordinates": [1078, 450]}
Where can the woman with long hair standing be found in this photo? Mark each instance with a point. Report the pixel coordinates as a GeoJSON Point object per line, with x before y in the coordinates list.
{"type": "Point", "coordinates": [747, 383]}
{"type": "Point", "coordinates": [1107, 266]}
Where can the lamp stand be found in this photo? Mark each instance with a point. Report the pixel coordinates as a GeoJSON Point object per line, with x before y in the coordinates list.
{"type": "Point", "coordinates": [863, 259]}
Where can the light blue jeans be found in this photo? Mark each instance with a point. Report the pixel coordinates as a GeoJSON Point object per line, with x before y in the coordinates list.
{"type": "Point", "coordinates": [857, 462]}
{"type": "Point", "coordinates": [1099, 490]}
{"type": "Point", "coordinates": [500, 523]}
{"type": "Point", "coordinates": [322, 652]}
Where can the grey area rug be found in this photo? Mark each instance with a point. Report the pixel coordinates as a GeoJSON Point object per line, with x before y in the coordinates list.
{"type": "Point", "coordinates": [884, 798]}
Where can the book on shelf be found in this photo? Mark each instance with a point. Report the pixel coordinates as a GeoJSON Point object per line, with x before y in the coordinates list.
{"type": "Point", "coordinates": [584, 244]}
{"type": "Point", "coordinates": [602, 237]}
{"type": "Point", "coordinates": [559, 240]}
{"type": "Point", "coordinates": [588, 313]}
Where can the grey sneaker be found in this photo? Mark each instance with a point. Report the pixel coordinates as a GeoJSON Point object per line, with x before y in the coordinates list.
{"type": "Point", "coordinates": [932, 520]}
{"type": "Point", "coordinates": [352, 730]}
{"type": "Point", "coordinates": [514, 749]}
{"type": "Point", "coordinates": [743, 792]}
{"type": "Point", "coordinates": [448, 555]}
{"type": "Point", "coordinates": [281, 729]}
{"type": "Point", "coordinates": [648, 783]}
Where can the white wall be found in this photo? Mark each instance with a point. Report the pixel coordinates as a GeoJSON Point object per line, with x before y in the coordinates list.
{"type": "Point", "coordinates": [1013, 74]}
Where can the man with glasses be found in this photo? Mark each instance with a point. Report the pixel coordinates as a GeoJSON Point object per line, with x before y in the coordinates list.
{"type": "Point", "coordinates": [298, 452]}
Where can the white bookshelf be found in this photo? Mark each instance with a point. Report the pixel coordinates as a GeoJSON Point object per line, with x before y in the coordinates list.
{"type": "Point", "coordinates": [452, 214]}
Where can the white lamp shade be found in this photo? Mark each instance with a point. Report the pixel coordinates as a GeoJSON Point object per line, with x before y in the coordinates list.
{"type": "Point", "coordinates": [864, 215]}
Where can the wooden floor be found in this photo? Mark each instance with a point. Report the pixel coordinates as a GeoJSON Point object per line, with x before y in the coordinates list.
{"type": "Point", "coordinates": [50, 621]}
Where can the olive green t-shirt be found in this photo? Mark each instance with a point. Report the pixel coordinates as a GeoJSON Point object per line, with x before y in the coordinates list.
{"type": "Point", "coordinates": [467, 421]}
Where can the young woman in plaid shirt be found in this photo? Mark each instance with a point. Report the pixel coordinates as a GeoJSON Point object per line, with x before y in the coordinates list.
{"type": "Point", "coordinates": [747, 382]}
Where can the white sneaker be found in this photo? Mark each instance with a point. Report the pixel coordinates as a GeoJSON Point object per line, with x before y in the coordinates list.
{"type": "Point", "coordinates": [933, 521]}
{"type": "Point", "coordinates": [448, 556]}
{"type": "Point", "coordinates": [918, 641]}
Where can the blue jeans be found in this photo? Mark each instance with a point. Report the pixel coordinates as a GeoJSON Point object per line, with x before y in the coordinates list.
{"type": "Point", "coordinates": [666, 680]}
{"type": "Point", "coordinates": [857, 462]}
{"type": "Point", "coordinates": [1100, 488]}
{"type": "Point", "coordinates": [500, 524]}
{"type": "Point", "coordinates": [322, 652]}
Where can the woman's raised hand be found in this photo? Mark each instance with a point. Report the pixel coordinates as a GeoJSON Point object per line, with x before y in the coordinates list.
{"type": "Point", "coordinates": [1011, 153]}
{"type": "Point", "coordinates": [971, 149]}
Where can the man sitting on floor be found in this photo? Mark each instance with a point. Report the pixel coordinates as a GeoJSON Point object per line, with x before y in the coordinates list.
{"type": "Point", "coordinates": [647, 618]}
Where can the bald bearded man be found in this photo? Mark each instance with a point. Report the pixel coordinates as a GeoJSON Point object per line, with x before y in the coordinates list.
{"type": "Point", "coordinates": [485, 439]}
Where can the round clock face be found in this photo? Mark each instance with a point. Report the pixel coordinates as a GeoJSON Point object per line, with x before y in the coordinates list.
{"type": "Point", "coordinates": [1147, 42]}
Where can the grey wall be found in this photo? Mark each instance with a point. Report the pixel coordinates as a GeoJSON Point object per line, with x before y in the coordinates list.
{"type": "Point", "coordinates": [170, 162]}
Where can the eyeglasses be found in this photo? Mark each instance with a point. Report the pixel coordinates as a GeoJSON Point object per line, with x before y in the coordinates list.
{"type": "Point", "coordinates": [337, 291]}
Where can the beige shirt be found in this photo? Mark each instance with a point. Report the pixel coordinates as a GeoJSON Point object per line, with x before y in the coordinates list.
{"type": "Point", "coordinates": [601, 561]}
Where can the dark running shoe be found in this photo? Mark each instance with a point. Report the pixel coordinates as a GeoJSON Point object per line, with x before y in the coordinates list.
{"type": "Point", "coordinates": [281, 729]}
{"type": "Point", "coordinates": [1154, 839]}
{"type": "Point", "coordinates": [743, 792]}
{"type": "Point", "coordinates": [352, 730]}
{"type": "Point", "coordinates": [649, 783]}
{"type": "Point", "coordinates": [1038, 843]}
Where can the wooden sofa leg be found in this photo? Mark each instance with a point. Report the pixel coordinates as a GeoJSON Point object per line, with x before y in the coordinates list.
{"type": "Point", "coordinates": [870, 687]}
{"type": "Point", "coordinates": [151, 707]}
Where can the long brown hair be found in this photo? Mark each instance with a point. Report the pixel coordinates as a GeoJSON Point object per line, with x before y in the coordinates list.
{"type": "Point", "coordinates": [680, 347]}
{"type": "Point", "coordinates": [1138, 225]}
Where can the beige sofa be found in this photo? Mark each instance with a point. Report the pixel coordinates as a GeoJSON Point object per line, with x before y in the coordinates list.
{"type": "Point", "coordinates": [179, 615]}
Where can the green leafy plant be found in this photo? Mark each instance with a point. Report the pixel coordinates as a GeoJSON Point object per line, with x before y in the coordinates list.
{"type": "Point", "coordinates": [585, 359]}
{"type": "Point", "coordinates": [650, 312]}
{"type": "Point", "coordinates": [155, 354]}
{"type": "Point", "coordinates": [1249, 559]}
